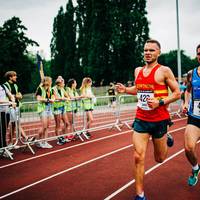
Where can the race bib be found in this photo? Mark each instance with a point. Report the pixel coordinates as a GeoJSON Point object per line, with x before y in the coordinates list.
{"type": "Point", "coordinates": [196, 110]}
{"type": "Point", "coordinates": [143, 96]}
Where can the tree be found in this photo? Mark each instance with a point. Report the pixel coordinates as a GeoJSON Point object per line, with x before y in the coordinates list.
{"type": "Point", "coordinates": [72, 67]}
{"type": "Point", "coordinates": [130, 31]}
{"type": "Point", "coordinates": [63, 44]}
{"type": "Point", "coordinates": [170, 59]}
{"type": "Point", "coordinates": [57, 45]}
{"type": "Point", "coordinates": [13, 51]}
{"type": "Point", "coordinates": [111, 37]}
{"type": "Point", "coordinates": [99, 38]}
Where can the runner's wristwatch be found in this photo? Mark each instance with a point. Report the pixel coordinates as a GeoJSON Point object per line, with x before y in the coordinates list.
{"type": "Point", "coordinates": [161, 102]}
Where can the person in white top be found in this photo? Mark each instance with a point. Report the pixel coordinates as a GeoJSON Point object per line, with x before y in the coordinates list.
{"type": "Point", "coordinates": [6, 100]}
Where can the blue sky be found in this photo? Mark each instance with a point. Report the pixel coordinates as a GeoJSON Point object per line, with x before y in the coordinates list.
{"type": "Point", "coordinates": [38, 17]}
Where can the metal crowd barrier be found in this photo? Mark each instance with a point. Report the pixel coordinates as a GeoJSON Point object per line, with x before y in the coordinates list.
{"type": "Point", "coordinates": [78, 120]}
{"type": "Point", "coordinates": [104, 113]}
{"type": "Point", "coordinates": [9, 129]}
{"type": "Point", "coordinates": [127, 109]}
{"type": "Point", "coordinates": [105, 116]}
{"type": "Point", "coordinates": [127, 105]}
{"type": "Point", "coordinates": [109, 112]}
{"type": "Point", "coordinates": [175, 108]}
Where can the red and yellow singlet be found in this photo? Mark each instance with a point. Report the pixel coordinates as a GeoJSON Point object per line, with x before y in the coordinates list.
{"type": "Point", "coordinates": [148, 88]}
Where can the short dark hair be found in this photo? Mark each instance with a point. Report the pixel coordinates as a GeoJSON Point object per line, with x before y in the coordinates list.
{"type": "Point", "coordinates": [10, 74]}
{"type": "Point", "coordinates": [197, 47]}
{"type": "Point", "coordinates": [70, 82]}
{"type": "Point", "coordinates": [154, 41]}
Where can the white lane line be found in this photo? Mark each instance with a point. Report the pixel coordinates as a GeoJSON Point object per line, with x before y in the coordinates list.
{"type": "Point", "coordinates": [77, 145]}
{"type": "Point", "coordinates": [74, 167]}
{"type": "Point", "coordinates": [64, 171]}
{"type": "Point", "coordinates": [146, 172]}
{"type": "Point", "coordinates": [63, 149]}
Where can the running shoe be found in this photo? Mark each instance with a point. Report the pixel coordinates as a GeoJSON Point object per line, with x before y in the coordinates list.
{"type": "Point", "coordinates": [39, 144]}
{"type": "Point", "coordinates": [88, 134]}
{"type": "Point", "coordinates": [140, 198]}
{"type": "Point", "coordinates": [61, 141]}
{"type": "Point", "coordinates": [192, 180]}
{"type": "Point", "coordinates": [46, 145]}
{"type": "Point", "coordinates": [170, 140]}
{"type": "Point", "coordinates": [70, 137]}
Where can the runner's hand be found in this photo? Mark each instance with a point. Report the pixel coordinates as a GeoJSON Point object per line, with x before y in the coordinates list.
{"type": "Point", "coordinates": [153, 103]}
{"type": "Point", "coordinates": [51, 100]}
{"type": "Point", "coordinates": [120, 88]}
{"type": "Point", "coordinates": [185, 108]}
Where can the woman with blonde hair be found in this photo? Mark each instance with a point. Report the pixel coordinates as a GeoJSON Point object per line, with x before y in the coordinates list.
{"type": "Point", "coordinates": [88, 103]}
{"type": "Point", "coordinates": [59, 110]}
{"type": "Point", "coordinates": [45, 98]}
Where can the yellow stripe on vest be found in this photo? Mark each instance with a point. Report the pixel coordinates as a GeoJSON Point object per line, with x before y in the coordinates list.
{"type": "Point", "coordinates": [160, 91]}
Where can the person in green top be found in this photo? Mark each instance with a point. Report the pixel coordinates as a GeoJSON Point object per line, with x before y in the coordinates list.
{"type": "Point", "coordinates": [72, 105]}
{"type": "Point", "coordinates": [11, 85]}
{"type": "Point", "coordinates": [59, 110]}
{"type": "Point", "coordinates": [88, 103]}
{"type": "Point", "coordinates": [45, 98]}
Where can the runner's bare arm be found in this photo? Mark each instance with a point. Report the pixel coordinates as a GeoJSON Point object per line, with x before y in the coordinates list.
{"type": "Point", "coordinates": [173, 85]}
{"type": "Point", "coordinates": [123, 89]}
{"type": "Point", "coordinates": [128, 90]}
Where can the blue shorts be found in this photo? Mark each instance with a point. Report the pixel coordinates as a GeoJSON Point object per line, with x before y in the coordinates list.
{"type": "Point", "coordinates": [155, 129]}
{"type": "Point", "coordinates": [60, 110]}
{"type": "Point", "coordinates": [47, 112]}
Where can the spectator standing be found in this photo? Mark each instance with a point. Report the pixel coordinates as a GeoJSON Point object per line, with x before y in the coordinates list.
{"type": "Point", "coordinates": [11, 85]}
{"type": "Point", "coordinates": [73, 104]}
{"type": "Point", "coordinates": [59, 109]}
{"type": "Point", "coordinates": [6, 100]}
{"type": "Point", "coordinates": [88, 101]}
{"type": "Point", "coordinates": [45, 98]}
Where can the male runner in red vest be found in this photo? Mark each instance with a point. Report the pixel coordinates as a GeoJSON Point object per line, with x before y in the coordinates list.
{"type": "Point", "coordinates": [152, 117]}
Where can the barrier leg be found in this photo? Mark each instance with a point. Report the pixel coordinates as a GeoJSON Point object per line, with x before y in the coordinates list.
{"type": "Point", "coordinates": [78, 134]}
{"type": "Point", "coordinates": [8, 154]}
{"type": "Point", "coordinates": [117, 125]}
{"type": "Point", "coordinates": [29, 147]}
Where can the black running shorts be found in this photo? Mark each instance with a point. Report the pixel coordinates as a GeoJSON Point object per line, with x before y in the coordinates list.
{"type": "Point", "coordinates": [155, 129]}
{"type": "Point", "coordinates": [194, 121]}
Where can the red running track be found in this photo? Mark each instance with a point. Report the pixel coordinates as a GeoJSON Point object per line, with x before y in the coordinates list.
{"type": "Point", "coordinates": [98, 169]}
